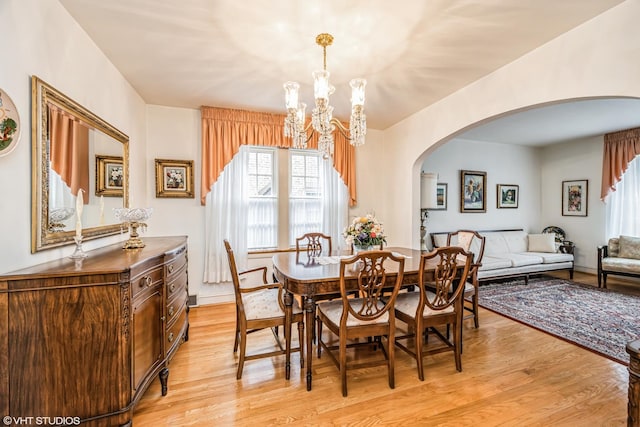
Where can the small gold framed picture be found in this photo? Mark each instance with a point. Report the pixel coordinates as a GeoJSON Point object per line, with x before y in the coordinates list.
{"type": "Point", "coordinates": [109, 176]}
{"type": "Point", "coordinates": [174, 178]}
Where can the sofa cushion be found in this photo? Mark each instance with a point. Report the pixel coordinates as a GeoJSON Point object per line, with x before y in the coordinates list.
{"type": "Point", "coordinates": [625, 265]}
{"type": "Point", "coordinates": [542, 242]}
{"type": "Point", "coordinates": [522, 259]}
{"type": "Point", "coordinates": [614, 246]}
{"type": "Point", "coordinates": [551, 258]}
{"type": "Point", "coordinates": [494, 263]}
{"type": "Point", "coordinates": [516, 241]}
{"type": "Point", "coordinates": [629, 247]}
{"type": "Point", "coordinates": [495, 243]}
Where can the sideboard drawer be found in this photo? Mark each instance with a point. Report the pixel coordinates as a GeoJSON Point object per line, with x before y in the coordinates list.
{"type": "Point", "coordinates": [146, 280]}
{"type": "Point", "coordinates": [176, 329]}
{"type": "Point", "coordinates": [177, 286]}
{"type": "Point", "coordinates": [175, 305]}
{"type": "Point", "coordinates": [175, 262]}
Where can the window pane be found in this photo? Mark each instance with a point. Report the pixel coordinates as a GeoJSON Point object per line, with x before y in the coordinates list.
{"type": "Point", "coordinates": [297, 186]}
{"type": "Point", "coordinates": [262, 229]}
{"type": "Point", "coordinates": [305, 203]}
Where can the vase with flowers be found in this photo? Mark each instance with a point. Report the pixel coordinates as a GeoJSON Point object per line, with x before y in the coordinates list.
{"type": "Point", "coordinates": [365, 233]}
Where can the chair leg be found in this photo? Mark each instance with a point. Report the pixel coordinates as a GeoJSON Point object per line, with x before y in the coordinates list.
{"type": "Point", "coordinates": [343, 364]}
{"type": "Point", "coordinates": [235, 343]}
{"type": "Point", "coordinates": [457, 343]}
{"type": "Point", "coordinates": [301, 341]}
{"type": "Point", "coordinates": [391, 359]}
{"type": "Point", "coordinates": [418, 339]}
{"type": "Point", "coordinates": [476, 319]}
{"type": "Point", "coordinates": [319, 337]}
{"type": "Point", "coordinates": [243, 348]}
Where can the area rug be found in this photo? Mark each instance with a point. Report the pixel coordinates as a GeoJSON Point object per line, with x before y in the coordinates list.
{"type": "Point", "coordinates": [599, 320]}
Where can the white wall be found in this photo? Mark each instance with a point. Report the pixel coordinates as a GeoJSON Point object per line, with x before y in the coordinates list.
{"type": "Point", "coordinates": [579, 159]}
{"type": "Point", "coordinates": [504, 164]}
{"type": "Point", "coordinates": [175, 134]}
{"type": "Point", "coordinates": [41, 39]}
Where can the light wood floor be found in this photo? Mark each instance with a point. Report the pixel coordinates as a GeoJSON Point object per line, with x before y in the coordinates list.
{"type": "Point", "coordinates": [512, 375]}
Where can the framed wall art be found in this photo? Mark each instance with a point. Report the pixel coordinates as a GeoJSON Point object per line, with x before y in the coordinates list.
{"type": "Point", "coordinates": [109, 176]}
{"type": "Point", "coordinates": [174, 178]}
{"type": "Point", "coordinates": [9, 124]}
{"type": "Point", "coordinates": [575, 197]}
{"type": "Point", "coordinates": [441, 197]}
{"type": "Point", "coordinates": [507, 196]}
{"type": "Point", "coordinates": [473, 194]}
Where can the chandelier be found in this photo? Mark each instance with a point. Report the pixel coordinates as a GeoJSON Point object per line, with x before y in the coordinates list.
{"type": "Point", "coordinates": [322, 120]}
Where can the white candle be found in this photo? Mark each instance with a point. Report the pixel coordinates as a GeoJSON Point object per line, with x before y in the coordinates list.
{"type": "Point", "coordinates": [79, 206]}
{"type": "Point", "coordinates": [101, 210]}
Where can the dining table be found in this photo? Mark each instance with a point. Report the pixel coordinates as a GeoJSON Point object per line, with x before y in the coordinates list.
{"type": "Point", "coordinates": [310, 277]}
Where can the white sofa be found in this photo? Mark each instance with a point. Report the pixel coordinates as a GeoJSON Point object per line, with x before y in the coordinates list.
{"type": "Point", "coordinates": [515, 253]}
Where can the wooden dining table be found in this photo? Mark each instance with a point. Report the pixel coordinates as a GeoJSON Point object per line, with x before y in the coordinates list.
{"type": "Point", "coordinates": [310, 277]}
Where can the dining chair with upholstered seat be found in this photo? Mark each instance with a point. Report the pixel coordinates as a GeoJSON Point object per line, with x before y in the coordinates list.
{"type": "Point", "coordinates": [260, 307]}
{"type": "Point", "coordinates": [438, 303]}
{"type": "Point", "coordinates": [368, 314]}
{"type": "Point", "coordinates": [470, 241]}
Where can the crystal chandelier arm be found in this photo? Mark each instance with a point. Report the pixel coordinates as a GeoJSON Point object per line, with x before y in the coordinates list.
{"type": "Point", "coordinates": [343, 130]}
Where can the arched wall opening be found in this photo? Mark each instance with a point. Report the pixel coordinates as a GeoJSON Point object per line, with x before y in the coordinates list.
{"type": "Point", "coordinates": [596, 59]}
{"type": "Point", "coordinates": [533, 150]}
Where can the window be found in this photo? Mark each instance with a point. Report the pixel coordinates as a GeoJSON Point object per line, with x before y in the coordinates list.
{"type": "Point", "coordinates": [305, 193]}
{"type": "Point", "coordinates": [622, 205]}
{"type": "Point", "coordinates": [284, 203]}
{"type": "Point", "coordinates": [262, 230]}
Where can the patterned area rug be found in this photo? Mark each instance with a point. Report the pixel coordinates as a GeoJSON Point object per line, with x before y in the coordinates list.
{"type": "Point", "coordinates": [599, 320]}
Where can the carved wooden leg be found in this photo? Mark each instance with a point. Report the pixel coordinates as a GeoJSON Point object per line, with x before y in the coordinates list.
{"type": "Point", "coordinates": [164, 377]}
{"type": "Point", "coordinates": [633, 417]}
{"type": "Point", "coordinates": [310, 315]}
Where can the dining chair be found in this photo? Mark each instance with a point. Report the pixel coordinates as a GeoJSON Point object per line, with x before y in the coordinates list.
{"type": "Point", "coordinates": [470, 241]}
{"type": "Point", "coordinates": [314, 244]}
{"type": "Point", "coordinates": [438, 303]}
{"type": "Point", "coordinates": [260, 307]}
{"type": "Point", "coordinates": [366, 315]}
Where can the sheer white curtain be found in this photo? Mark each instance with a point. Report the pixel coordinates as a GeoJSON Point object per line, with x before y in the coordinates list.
{"type": "Point", "coordinates": [327, 214]}
{"type": "Point", "coordinates": [59, 192]}
{"type": "Point", "coordinates": [226, 217]}
{"type": "Point", "coordinates": [623, 204]}
{"type": "Point", "coordinates": [305, 216]}
{"type": "Point", "coordinates": [335, 204]}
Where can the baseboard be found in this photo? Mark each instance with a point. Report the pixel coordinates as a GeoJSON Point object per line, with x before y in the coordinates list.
{"type": "Point", "coordinates": [214, 299]}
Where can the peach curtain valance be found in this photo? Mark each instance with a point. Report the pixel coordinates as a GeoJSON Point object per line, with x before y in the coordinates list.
{"type": "Point", "coordinates": [619, 149]}
{"type": "Point", "coordinates": [69, 150]}
{"type": "Point", "coordinates": [225, 130]}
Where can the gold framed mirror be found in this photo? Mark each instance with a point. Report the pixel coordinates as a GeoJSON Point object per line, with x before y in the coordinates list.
{"type": "Point", "coordinates": [73, 152]}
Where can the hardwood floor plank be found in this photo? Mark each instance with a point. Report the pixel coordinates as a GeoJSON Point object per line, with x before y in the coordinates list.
{"type": "Point", "coordinates": [512, 375]}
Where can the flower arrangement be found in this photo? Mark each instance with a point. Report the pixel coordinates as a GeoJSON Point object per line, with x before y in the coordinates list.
{"type": "Point", "coordinates": [365, 231]}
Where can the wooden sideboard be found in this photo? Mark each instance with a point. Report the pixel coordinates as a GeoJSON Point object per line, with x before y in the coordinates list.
{"type": "Point", "coordinates": [85, 339]}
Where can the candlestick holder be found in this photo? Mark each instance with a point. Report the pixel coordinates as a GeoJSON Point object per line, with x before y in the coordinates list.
{"type": "Point", "coordinates": [133, 219]}
{"type": "Point", "coordinates": [78, 253]}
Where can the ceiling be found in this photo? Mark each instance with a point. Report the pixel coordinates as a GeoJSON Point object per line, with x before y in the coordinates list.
{"type": "Point", "coordinates": [237, 54]}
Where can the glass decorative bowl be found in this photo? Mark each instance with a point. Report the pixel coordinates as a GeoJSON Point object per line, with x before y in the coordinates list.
{"type": "Point", "coordinates": [133, 214]}
{"type": "Point", "coordinates": [133, 218]}
{"type": "Point", "coordinates": [58, 216]}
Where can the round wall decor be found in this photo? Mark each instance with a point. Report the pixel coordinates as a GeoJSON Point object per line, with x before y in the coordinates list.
{"type": "Point", "coordinates": [9, 124]}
